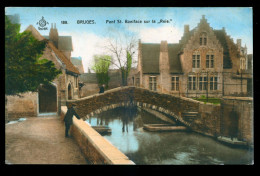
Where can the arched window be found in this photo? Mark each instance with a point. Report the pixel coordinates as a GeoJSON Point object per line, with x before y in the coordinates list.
{"type": "Point", "coordinates": [203, 38]}
{"type": "Point", "coordinates": [242, 63]}
{"type": "Point", "coordinates": [196, 59]}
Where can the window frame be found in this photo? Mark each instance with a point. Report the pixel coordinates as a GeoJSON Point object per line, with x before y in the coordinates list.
{"type": "Point", "coordinates": [153, 83]}
{"type": "Point", "coordinates": [175, 83]}
{"type": "Point", "coordinates": [192, 82]}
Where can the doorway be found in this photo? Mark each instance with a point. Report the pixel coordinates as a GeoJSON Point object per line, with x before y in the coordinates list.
{"type": "Point", "coordinates": [47, 99]}
{"type": "Point", "coordinates": [69, 92]}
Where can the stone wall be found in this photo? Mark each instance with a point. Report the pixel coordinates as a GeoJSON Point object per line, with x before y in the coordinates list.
{"type": "Point", "coordinates": [244, 117]}
{"type": "Point", "coordinates": [24, 105]}
{"type": "Point", "coordinates": [209, 118]}
{"type": "Point", "coordinates": [95, 148]}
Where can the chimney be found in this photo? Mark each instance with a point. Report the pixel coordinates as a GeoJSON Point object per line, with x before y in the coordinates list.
{"type": "Point", "coordinates": [164, 46]}
{"type": "Point", "coordinates": [186, 29]}
{"type": "Point", "coordinates": [53, 35]}
{"type": "Point", "coordinates": [239, 44]}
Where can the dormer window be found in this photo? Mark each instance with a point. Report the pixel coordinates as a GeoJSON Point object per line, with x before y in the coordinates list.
{"type": "Point", "coordinates": [203, 38]}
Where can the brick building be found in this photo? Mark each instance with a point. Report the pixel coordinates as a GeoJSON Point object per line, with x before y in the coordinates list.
{"type": "Point", "coordinates": [205, 61]}
{"type": "Point", "coordinates": [49, 98]}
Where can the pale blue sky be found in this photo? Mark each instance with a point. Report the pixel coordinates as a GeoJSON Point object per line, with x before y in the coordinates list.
{"type": "Point", "coordinates": [237, 21]}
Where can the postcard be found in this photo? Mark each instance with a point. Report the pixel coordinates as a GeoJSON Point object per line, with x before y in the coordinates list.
{"type": "Point", "coordinates": [129, 85]}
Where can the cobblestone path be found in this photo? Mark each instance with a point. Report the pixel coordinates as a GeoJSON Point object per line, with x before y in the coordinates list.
{"type": "Point", "coordinates": [40, 140]}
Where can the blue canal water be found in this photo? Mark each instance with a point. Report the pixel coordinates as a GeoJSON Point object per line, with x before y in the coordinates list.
{"type": "Point", "coordinates": [168, 148]}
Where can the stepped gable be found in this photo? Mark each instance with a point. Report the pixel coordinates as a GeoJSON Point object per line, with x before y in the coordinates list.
{"type": "Point", "coordinates": [69, 66]}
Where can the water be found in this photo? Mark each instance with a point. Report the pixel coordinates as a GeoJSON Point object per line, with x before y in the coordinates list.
{"type": "Point", "coordinates": [177, 148]}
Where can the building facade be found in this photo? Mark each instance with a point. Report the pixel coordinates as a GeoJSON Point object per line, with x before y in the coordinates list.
{"type": "Point", "coordinates": [49, 98]}
{"type": "Point", "coordinates": [204, 62]}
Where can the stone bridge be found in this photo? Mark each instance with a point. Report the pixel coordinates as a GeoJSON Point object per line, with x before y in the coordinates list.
{"type": "Point", "coordinates": [198, 116]}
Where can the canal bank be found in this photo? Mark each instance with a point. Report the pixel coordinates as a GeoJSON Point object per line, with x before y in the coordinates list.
{"type": "Point", "coordinates": [94, 147]}
{"type": "Point", "coordinates": [170, 148]}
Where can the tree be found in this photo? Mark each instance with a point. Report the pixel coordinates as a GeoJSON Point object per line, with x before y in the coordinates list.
{"type": "Point", "coordinates": [24, 70]}
{"type": "Point", "coordinates": [122, 47]}
{"type": "Point", "coordinates": [101, 66]}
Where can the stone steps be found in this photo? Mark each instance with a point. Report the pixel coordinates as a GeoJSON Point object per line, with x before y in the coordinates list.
{"type": "Point", "coordinates": [189, 116]}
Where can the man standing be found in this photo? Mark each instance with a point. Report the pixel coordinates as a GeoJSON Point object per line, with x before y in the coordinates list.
{"type": "Point", "coordinates": [102, 89]}
{"type": "Point", "coordinates": [68, 118]}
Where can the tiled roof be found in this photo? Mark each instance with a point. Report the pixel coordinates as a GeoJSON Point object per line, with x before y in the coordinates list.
{"type": "Point", "coordinates": [64, 43]}
{"type": "Point", "coordinates": [151, 56]}
{"type": "Point", "coordinates": [64, 59]}
{"type": "Point", "coordinates": [61, 56]}
{"type": "Point", "coordinates": [222, 38]}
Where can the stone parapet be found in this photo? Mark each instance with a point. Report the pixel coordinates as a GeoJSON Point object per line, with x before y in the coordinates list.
{"type": "Point", "coordinates": [95, 148]}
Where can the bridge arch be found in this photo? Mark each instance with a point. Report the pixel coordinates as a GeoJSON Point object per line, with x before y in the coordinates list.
{"type": "Point", "coordinates": [135, 96]}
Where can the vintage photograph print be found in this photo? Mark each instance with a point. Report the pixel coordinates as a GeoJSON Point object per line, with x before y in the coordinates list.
{"type": "Point", "coordinates": [129, 85]}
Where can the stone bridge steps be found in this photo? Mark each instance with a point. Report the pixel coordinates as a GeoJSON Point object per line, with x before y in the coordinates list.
{"type": "Point", "coordinates": [189, 116]}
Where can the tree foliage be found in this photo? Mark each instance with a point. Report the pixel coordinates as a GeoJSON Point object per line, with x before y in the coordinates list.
{"type": "Point", "coordinates": [101, 66]}
{"type": "Point", "coordinates": [24, 71]}
{"type": "Point", "coordinates": [122, 47]}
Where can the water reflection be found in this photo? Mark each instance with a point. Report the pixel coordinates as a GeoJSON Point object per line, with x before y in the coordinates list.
{"type": "Point", "coordinates": [179, 148]}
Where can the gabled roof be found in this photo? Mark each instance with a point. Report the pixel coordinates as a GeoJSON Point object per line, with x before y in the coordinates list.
{"type": "Point", "coordinates": [64, 43]}
{"type": "Point", "coordinates": [222, 38]}
{"type": "Point", "coordinates": [151, 56]}
{"type": "Point", "coordinates": [35, 33]}
{"type": "Point", "coordinates": [69, 66]}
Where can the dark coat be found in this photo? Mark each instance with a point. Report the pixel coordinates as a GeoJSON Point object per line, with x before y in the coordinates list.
{"type": "Point", "coordinates": [101, 89]}
{"type": "Point", "coordinates": [69, 115]}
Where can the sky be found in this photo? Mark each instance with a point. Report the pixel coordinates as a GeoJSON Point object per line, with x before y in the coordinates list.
{"type": "Point", "coordinates": [88, 39]}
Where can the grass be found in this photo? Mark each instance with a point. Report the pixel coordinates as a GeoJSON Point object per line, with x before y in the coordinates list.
{"type": "Point", "coordinates": [210, 100]}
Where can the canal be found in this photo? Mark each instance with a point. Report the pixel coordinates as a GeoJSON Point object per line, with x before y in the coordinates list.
{"type": "Point", "coordinates": [175, 148]}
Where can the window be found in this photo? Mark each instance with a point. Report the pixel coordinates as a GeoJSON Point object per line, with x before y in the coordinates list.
{"type": "Point", "coordinates": [203, 83]}
{"type": "Point", "coordinates": [76, 81]}
{"type": "Point", "coordinates": [213, 83]}
{"type": "Point", "coordinates": [175, 83]}
{"type": "Point", "coordinates": [209, 61]}
{"type": "Point", "coordinates": [137, 82]}
{"type": "Point", "coordinates": [203, 38]}
{"type": "Point", "coordinates": [196, 60]}
{"type": "Point", "coordinates": [152, 83]}
{"type": "Point", "coordinates": [242, 63]}
{"type": "Point", "coordinates": [192, 83]}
